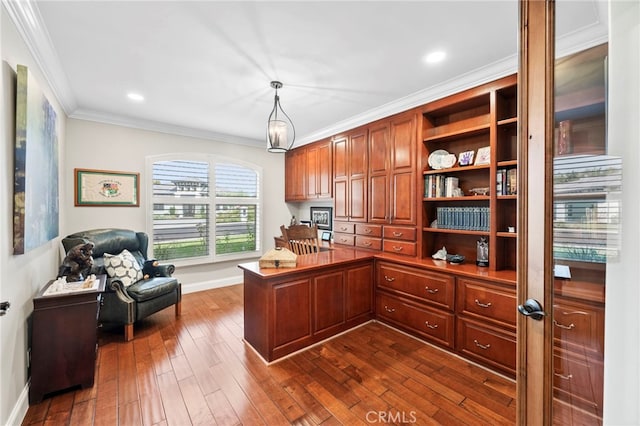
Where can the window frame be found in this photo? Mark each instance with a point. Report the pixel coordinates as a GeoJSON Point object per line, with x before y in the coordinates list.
{"type": "Point", "coordinates": [212, 201]}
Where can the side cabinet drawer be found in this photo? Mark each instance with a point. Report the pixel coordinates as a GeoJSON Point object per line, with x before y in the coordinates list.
{"type": "Point", "coordinates": [399, 247]}
{"type": "Point", "coordinates": [344, 227]}
{"type": "Point", "coordinates": [487, 344]}
{"type": "Point", "coordinates": [487, 302]}
{"type": "Point", "coordinates": [368, 242]}
{"type": "Point", "coordinates": [369, 230]}
{"type": "Point", "coordinates": [433, 325]}
{"type": "Point", "coordinates": [348, 239]}
{"type": "Point", "coordinates": [399, 233]}
{"type": "Point", "coordinates": [579, 325]}
{"type": "Point", "coordinates": [433, 288]}
{"type": "Point", "coordinates": [578, 380]}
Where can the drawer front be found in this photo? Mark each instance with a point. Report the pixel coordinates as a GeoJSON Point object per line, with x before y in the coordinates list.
{"type": "Point", "coordinates": [487, 301]}
{"type": "Point", "coordinates": [348, 239]}
{"type": "Point", "coordinates": [400, 233]}
{"type": "Point", "coordinates": [487, 344]}
{"type": "Point", "coordinates": [367, 242]}
{"type": "Point", "coordinates": [435, 289]}
{"type": "Point", "coordinates": [579, 325]}
{"type": "Point", "coordinates": [578, 380]}
{"type": "Point", "coordinates": [344, 227]}
{"type": "Point", "coordinates": [436, 326]}
{"type": "Point", "coordinates": [399, 247]}
{"type": "Point", "coordinates": [369, 230]}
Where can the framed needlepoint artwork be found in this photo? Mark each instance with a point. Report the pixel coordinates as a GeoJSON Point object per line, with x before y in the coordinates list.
{"type": "Point", "coordinates": [106, 188]}
{"type": "Point", "coordinates": [483, 156]}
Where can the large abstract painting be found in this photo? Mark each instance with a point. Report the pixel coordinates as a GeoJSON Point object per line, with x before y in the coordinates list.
{"type": "Point", "coordinates": [35, 205]}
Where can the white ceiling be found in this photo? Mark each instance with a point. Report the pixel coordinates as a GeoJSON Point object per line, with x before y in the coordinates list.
{"type": "Point", "coordinates": [204, 67]}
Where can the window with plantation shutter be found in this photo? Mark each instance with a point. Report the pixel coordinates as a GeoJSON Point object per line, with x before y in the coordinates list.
{"type": "Point", "coordinates": [205, 208]}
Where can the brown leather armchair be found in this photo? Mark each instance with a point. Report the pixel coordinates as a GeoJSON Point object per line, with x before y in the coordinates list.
{"type": "Point", "coordinates": [124, 305]}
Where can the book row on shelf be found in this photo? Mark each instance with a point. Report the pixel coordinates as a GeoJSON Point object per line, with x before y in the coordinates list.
{"type": "Point", "coordinates": [463, 218]}
{"type": "Point", "coordinates": [436, 186]}
{"type": "Point", "coordinates": [507, 182]}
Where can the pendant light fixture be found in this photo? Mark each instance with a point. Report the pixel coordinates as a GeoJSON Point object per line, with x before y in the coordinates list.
{"type": "Point", "coordinates": [280, 131]}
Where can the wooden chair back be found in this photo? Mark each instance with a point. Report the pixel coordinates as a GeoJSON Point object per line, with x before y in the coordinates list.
{"type": "Point", "coordinates": [301, 239]}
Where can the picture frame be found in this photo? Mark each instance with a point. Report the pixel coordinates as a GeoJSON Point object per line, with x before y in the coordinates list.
{"type": "Point", "coordinates": [323, 217]}
{"type": "Point", "coordinates": [466, 158]}
{"type": "Point", "coordinates": [483, 156]}
{"type": "Point", "coordinates": [326, 236]}
{"type": "Point", "coordinates": [106, 188]}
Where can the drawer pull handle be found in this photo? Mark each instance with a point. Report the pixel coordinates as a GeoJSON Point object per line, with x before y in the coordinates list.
{"type": "Point", "coordinates": [431, 326]}
{"type": "Point", "coordinates": [388, 309]}
{"type": "Point", "coordinates": [563, 377]}
{"type": "Point", "coordinates": [431, 290]}
{"type": "Point", "coordinates": [343, 228]}
{"type": "Point", "coordinates": [483, 305]}
{"type": "Point", "coordinates": [397, 234]}
{"type": "Point", "coordinates": [367, 230]}
{"type": "Point", "coordinates": [367, 243]}
{"type": "Point", "coordinates": [480, 345]}
{"type": "Point", "coordinates": [566, 327]}
{"type": "Point", "coordinates": [397, 248]}
{"type": "Point", "coordinates": [389, 279]}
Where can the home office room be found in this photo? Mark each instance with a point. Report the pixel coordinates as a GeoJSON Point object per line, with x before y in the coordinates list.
{"type": "Point", "coordinates": [319, 212]}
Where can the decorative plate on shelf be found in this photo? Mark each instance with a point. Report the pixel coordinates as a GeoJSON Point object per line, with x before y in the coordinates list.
{"type": "Point", "coordinates": [441, 159]}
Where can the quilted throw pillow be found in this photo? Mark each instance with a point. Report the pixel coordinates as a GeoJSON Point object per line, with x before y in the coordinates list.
{"type": "Point", "coordinates": [123, 267]}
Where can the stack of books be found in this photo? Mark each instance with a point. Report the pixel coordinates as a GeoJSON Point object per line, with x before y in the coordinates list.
{"type": "Point", "coordinates": [463, 218]}
{"type": "Point", "coordinates": [507, 182]}
{"type": "Point", "coordinates": [437, 186]}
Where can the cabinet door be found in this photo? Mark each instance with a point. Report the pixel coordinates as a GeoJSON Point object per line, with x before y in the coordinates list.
{"type": "Point", "coordinates": [340, 178]}
{"type": "Point", "coordinates": [403, 170]}
{"type": "Point", "coordinates": [312, 167]}
{"type": "Point", "coordinates": [379, 173]}
{"type": "Point", "coordinates": [359, 292]}
{"type": "Point", "coordinates": [295, 175]}
{"type": "Point", "coordinates": [358, 176]}
{"type": "Point", "coordinates": [291, 312]}
{"type": "Point", "coordinates": [324, 175]}
{"type": "Point", "coordinates": [329, 301]}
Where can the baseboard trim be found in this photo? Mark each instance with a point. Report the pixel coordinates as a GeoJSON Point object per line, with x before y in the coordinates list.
{"type": "Point", "coordinates": [211, 284]}
{"type": "Point", "coordinates": [20, 409]}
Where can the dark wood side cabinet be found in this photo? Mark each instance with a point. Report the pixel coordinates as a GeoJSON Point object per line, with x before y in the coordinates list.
{"type": "Point", "coordinates": [64, 340]}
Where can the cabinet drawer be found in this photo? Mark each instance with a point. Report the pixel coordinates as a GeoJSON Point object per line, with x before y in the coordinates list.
{"type": "Point", "coordinates": [344, 227]}
{"type": "Point", "coordinates": [367, 242]}
{"type": "Point", "coordinates": [578, 380]}
{"type": "Point", "coordinates": [399, 247]}
{"type": "Point", "coordinates": [436, 326]}
{"type": "Point", "coordinates": [579, 326]}
{"type": "Point", "coordinates": [369, 230]}
{"type": "Point", "coordinates": [435, 289]}
{"type": "Point", "coordinates": [487, 301]}
{"type": "Point", "coordinates": [400, 233]}
{"type": "Point", "coordinates": [487, 344]}
{"type": "Point", "coordinates": [348, 239]}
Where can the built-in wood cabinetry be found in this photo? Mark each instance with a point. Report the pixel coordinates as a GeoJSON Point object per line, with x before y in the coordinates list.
{"type": "Point", "coordinates": [309, 172]}
{"type": "Point", "coordinates": [285, 313]}
{"type": "Point", "coordinates": [482, 120]}
{"type": "Point", "coordinates": [350, 164]}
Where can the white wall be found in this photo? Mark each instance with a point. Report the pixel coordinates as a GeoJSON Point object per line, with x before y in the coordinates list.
{"type": "Point", "coordinates": [21, 276]}
{"type": "Point", "coordinates": [622, 315]}
{"type": "Point", "coordinates": [107, 147]}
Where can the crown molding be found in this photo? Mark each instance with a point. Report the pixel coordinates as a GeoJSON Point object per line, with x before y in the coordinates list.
{"type": "Point", "coordinates": [454, 85]}
{"type": "Point", "coordinates": [27, 19]}
{"type": "Point", "coordinates": [155, 126]}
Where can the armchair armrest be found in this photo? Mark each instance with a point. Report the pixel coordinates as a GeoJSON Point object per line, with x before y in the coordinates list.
{"type": "Point", "coordinates": [152, 268]}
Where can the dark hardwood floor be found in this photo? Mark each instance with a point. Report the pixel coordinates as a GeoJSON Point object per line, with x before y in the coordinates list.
{"type": "Point", "coordinates": [195, 370]}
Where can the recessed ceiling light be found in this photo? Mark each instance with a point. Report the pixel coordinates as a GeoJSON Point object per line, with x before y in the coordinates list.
{"type": "Point", "coordinates": [136, 97]}
{"type": "Point", "coordinates": [435, 57]}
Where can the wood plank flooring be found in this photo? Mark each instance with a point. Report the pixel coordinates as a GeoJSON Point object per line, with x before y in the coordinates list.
{"type": "Point", "coordinates": [196, 370]}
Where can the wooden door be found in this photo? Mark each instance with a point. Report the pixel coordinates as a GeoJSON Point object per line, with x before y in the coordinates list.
{"type": "Point", "coordinates": [358, 166]}
{"type": "Point", "coordinates": [379, 172]}
{"type": "Point", "coordinates": [341, 178]}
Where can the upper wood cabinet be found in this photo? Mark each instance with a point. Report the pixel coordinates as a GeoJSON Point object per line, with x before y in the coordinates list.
{"type": "Point", "coordinates": [308, 172]}
{"type": "Point", "coordinates": [350, 166]}
{"type": "Point", "coordinates": [392, 170]}
{"type": "Point", "coordinates": [319, 170]}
